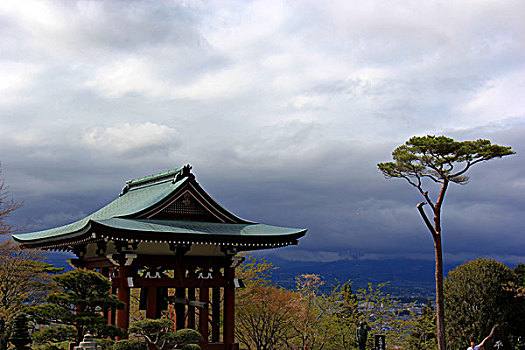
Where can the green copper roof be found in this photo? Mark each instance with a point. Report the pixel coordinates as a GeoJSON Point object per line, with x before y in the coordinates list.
{"type": "Point", "coordinates": [126, 214]}
{"type": "Point", "coordinates": [134, 201]}
{"type": "Point", "coordinates": [200, 228]}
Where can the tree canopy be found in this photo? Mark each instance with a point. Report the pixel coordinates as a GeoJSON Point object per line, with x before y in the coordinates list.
{"type": "Point", "coordinates": [439, 159]}
{"type": "Point", "coordinates": [476, 299]}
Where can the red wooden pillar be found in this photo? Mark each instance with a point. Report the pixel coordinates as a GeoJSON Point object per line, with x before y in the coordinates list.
{"type": "Point", "coordinates": [151, 303]}
{"type": "Point", "coordinates": [180, 309]}
{"type": "Point", "coordinates": [229, 306]}
{"type": "Point", "coordinates": [204, 296]}
{"type": "Point", "coordinates": [191, 309]}
{"type": "Point", "coordinates": [112, 312]}
{"type": "Point", "coordinates": [123, 295]}
{"type": "Point", "coordinates": [215, 314]}
{"type": "Point", "coordinates": [107, 312]}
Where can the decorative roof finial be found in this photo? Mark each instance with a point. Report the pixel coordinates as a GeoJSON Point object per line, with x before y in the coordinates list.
{"type": "Point", "coordinates": [185, 171]}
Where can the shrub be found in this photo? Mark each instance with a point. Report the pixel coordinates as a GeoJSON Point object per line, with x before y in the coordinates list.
{"type": "Point", "coordinates": [184, 336]}
{"type": "Point", "coordinates": [191, 347]}
{"type": "Point", "coordinates": [129, 344]}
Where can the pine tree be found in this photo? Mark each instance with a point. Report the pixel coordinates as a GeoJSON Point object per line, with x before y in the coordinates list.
{"type": "Point", "coordinates": [441, 161]}
{"type": "Point", "coordinates": [84, 294]}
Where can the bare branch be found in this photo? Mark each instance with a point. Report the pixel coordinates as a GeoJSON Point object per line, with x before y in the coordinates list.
{"type": "Point", "coordinates": [425, 218]}
{"type": "Point", "coordinates": [468, 165]}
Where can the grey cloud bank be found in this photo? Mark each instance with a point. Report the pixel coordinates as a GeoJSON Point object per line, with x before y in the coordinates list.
{"type": "Point", "coordinates": [283, 108]}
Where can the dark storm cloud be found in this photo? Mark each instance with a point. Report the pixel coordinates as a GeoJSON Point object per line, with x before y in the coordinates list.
{"type": "Point", "coordinates": [283, 109]}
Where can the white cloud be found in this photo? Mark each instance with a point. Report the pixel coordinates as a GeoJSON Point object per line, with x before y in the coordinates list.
{"type": "Point", "coordinates": [17, 78]}
{"type": "Point", "coordinates": [239, 28]}
{"type": "Point", "coordinates": [133, 139]}
{"type": "Point", "coordinates": [498, 99]}
{"type": "Point", "coordinates": [226, 84]}
{"type": "Point", "coordinates": [32, 12]}
{"type": "Point", "coordinates": [138, 76]}
{"type": "Point", "coordinates": [131, 75]}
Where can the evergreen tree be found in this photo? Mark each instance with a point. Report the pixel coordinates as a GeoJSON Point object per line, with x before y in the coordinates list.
{"type": "Point", "coordinates": [85, 294]}
{"type": "Point", "coordinates": [438, 160]}
{"type": "Point", "coordinates": [477, 298]}
{"type": "Point", "coordinates": [519, 327]}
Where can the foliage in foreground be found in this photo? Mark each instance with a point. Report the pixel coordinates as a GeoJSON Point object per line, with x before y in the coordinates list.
{"type": "Point", "coordinates": [477, 298]}
{"type": "Point", "coordinates": [129, 344]}
{"type": "Point", "coordinates": [24, 276]}
{"type": "Point", "coordinates": [157, 334]}
{"type": "Point", "coordinates": [84, 295]}
{"type": "Point", "coordinates": [478, 294]}
{"type": "Point", "coordinates": [269, 317]}
{"type": "Point", "coordinates": [20, 337]}
{"type": "Point", "coordinates": [25, 280]}
{"type": "Point", "coordinates": [54, 337]}
{"type": "Point", "coordinates": [423, 333]}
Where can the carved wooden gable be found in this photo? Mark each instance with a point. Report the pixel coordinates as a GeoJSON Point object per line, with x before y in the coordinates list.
{"type": "Point", "coordinates": [189, 204]}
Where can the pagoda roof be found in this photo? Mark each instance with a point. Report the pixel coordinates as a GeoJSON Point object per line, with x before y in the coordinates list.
{"type": "Point", "coordinates": [166, 207]}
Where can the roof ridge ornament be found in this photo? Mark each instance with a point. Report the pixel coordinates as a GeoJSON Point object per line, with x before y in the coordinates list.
{"type": "Point", "coordinates": [177, 174]}
{"type": "Point", "coordinates": [185, 171]}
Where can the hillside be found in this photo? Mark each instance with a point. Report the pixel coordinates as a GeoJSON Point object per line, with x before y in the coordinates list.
{"type": "Point", "coordinates": [408, 278]}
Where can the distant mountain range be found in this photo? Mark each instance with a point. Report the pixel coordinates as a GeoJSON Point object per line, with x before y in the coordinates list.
{"type": "Point", "coordinates": [408, 278]}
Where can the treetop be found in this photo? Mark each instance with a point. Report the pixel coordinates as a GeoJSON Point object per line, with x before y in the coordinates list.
{"type": "Point", "coordinates": [439, 158]}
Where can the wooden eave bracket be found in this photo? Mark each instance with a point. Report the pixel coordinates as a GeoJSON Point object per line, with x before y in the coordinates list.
{"type": "Point", "coordinates": [129, 259]}
{"type": "Point", "coordinates": [236, 261]}
{"type": "Point", "coordinates": [113, 261]}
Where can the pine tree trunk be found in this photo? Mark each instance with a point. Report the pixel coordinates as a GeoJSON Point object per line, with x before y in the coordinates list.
{"type": "Point", "coordinates": [3, 342]}
{"type": "Point", "coordinates": [440, 307]}
{"type": "Point", "coordinates": [3, 335]}
{"type": "Point", "coordinates": [438, 249]}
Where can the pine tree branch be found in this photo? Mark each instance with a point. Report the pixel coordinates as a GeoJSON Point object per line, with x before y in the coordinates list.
{"type": "Point", "coordinates": [425, 218]}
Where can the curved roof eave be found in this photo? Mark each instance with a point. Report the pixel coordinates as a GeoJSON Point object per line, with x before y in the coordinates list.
{"type": "Point", "coordinates": [140, 196]}
{"type": "Point", "coordinates": [133, 201]}
{"type": "Point", "coordinates": [203, 229]}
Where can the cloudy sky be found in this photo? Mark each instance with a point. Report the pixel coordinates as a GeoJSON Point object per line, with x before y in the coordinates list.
{"type": "Point", "coordinates": [282, 107]}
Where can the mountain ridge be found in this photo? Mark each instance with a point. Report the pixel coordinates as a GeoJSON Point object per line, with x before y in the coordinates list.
{"type": "Point", "coordinates": [406, 277]}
